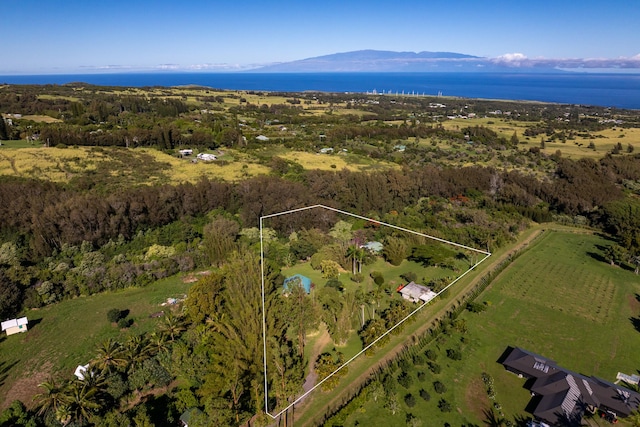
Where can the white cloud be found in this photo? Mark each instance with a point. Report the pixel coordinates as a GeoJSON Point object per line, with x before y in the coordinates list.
{"type": "Point", "coordinates": [512, 57]}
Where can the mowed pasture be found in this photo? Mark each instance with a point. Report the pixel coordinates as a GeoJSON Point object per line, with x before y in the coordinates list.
{"type": "Point", "coordinates": [560, 300]}
{"type": "Point", "coordinates": [66, 334]}
{"type": "Point", "coordinates": [563, 301]}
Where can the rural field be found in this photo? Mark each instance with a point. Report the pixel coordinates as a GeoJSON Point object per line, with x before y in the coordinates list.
{"type": "Point", "coordinates": [65, 335]}
{"type": "Point", "coordinates": [95, 196]}
{"type": "Point", "coordinates": [604, 140]}
{"type": "Point", "coordinates": [560, 300]}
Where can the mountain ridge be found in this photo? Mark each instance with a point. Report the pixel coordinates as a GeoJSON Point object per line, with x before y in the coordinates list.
{"type": "Point", "coordinates": [371, 60]}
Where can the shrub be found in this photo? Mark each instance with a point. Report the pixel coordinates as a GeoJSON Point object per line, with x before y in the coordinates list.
{"type": "Point", "coordinates": [409, 276]}
{"type": "Point", "coordinates": [114, 315]}
{"type": "Point", "coordinates": [439, 387]}
{"type": "Point", "coordinates": [424, 394]}
{"type": "Point", "coordinates": [389, 383]}
{"type": "Point", "coordinates": [444, 406]}
{"type": "Point", "coordinates": [476, 307]}
{"type": "Point", "coordinates": [454, 354]}
{"type": "Point", "coordinates": [422, 376]}
{"type": "Point", "coordinates": [116, 386]}
{"type": "Point", "coordinates": [419, 360]}
{"type": "Point", "coordinates": [404, 364]}
{"type": "Point", "coordinates": [434, 367]}
{"type": "Point", "coordinates": [377, 277]}
{"type": "Point", "coordinates": [431, 354]}
{"type": "Point", "coordinates": [410, 400]}
{"type": "Point", "coordinates": [358, 277]}
{"type": "Point", "coordinates": [335, 283]}
{"type": "Point", "coordinates": [124, 323]}
{"type": "Point", "coordinates": [405, 379]}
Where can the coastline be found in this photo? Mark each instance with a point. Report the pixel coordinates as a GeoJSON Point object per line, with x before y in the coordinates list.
{"type": "Point", "coordinates": [618, 90]}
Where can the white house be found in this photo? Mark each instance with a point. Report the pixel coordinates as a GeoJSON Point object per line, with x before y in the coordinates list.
{"type": "Point", "coordinates": [14, 326]}
{"type": "Point", "coordinates": [80, 371]}
{"type": "Point", "coordinates": [373, 247]}
{"type": "Point", "coordinates": [262, 138]}
{"type": "Point", "coordinates": [206, 157]}
{"type": "Point", "coordinates": [415, 292]}
{"type": "Point", "coordinates": [186, 152]}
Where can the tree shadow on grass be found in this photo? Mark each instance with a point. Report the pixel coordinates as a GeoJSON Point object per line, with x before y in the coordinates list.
{"type": "Point", "coordinates": [34, 322]}
{"type": "Point", "coordinates": [492, 419]}
{"type": "Point", "coordinates": [521, 421]}
{"type": "Point", "coordinates": [5, 367]}
{"type": "Point", "coordinates": [598, 257]}
{"type": "Point", "coordinates": [635, 321]}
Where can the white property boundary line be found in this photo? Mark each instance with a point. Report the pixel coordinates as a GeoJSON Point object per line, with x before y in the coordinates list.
{"type": "Point", "coordinates": [264, 322]}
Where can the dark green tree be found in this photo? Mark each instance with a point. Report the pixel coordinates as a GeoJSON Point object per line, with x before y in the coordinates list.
{"type": "Point", "coordinates": [4, 131]}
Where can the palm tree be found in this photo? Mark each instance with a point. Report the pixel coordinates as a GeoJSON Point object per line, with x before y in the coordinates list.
{"type": "Point", "coordinates": [53, 398]}
{"type": "Point", "coordinates": [63, 415]}
{"type": "Point", "coordinates": [172, 326]}
{"type": "Point", "coordinates": [493, 420]}
{"type": "Point", "coordinates": [352, 253]}
{"type": "Point", "coordinates": [361, 253]}
{"type": "Point", "coordinates": [136, 349]}
{"type": "Point", "coordinates": [83, 401]}
{"type": "Point", "coordinates": [158, 341]}
{"type": "Point", "coordinates": [93, 378]}
{"type": "Point", "coordinates": [110, 356]}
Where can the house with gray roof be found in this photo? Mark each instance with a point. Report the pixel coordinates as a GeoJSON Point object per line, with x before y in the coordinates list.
{"type": "Point", "coordinates": [562, 397]}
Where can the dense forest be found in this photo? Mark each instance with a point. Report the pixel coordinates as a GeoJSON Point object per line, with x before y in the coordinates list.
{"type": "Point", "coordinates": [60, 240]}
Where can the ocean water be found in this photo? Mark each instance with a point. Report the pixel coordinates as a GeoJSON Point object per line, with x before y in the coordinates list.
{"type": "Point", "coordinates": [608, 90]}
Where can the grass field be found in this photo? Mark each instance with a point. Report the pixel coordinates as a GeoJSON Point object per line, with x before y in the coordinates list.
{"type": "Point", "coordinates": [603, 140]}
{"type": "Point", "coordinates": [148, 166]}
{"type": "Point", "coordinates": [336, 161]}
{"type": "Point", "coordinates": [64, 335]}
{"type": "Point", "coordinates": [140, 165]}
{"type": "Point", "coordinates": [559, 300]}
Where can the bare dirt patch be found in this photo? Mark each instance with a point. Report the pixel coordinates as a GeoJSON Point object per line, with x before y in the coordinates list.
{"type": "Point", "coordinates": [323, 340]}
{"type": "Point", "coordinates": [476, 399]}
{"type": "Point", "coordinates": [26, 387]}
{"type": "Point", "coordinates": [191, 278]}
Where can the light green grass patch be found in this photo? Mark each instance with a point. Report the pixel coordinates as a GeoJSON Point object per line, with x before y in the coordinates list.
{"type": "Point", "coordinates": [64, 335]}
{"type": "Point", "coordinates": [558, 300]}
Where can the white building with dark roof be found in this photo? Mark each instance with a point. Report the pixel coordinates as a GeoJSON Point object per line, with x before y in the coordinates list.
{"type": "Point", "coordinates": [415, 292]}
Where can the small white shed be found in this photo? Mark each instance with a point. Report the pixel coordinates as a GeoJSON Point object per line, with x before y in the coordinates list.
{"type": "Point", "coordinates": [15, 326]}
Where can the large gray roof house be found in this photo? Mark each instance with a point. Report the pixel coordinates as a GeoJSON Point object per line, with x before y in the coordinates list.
{"type": "Point", "coordinates": [562, 397]}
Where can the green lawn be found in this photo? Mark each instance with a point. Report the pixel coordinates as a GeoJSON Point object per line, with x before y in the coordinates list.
{"type": "Point", "coordinates": [392, 278]}
{"type": "Point", "coordinates": [558, 300]}
{"type": "Point", "coordinates": [22, 143]}
{"type": "Point", "coordinates": [64, 335]}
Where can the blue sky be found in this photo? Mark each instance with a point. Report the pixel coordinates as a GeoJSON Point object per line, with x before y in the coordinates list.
{"type": "Point", "coordinates": [68, 36]}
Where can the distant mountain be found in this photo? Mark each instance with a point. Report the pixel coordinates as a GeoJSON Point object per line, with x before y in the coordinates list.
{"type": "Point", "coordinates": [386, 61]}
